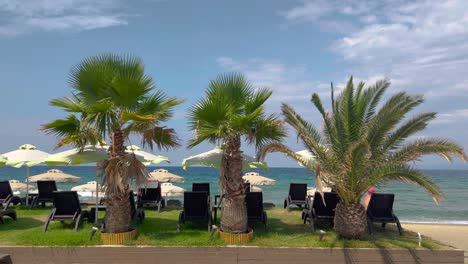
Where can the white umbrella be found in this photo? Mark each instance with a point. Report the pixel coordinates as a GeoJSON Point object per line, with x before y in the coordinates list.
{"type": "Point", "coordinates": [213, 157]}
{"type": "Point", "coordinates": [2, 161]}
{"type": "Point", "coordinates": [54, 175]}
{"type": "Point", "coordinates": [89, 154]}
{"type": "Point", "coordinates": [255, 189]}
{"type": "Point", "coordinates": [89, 189]}
{"type": "Point", "coordinates": [312, 191]}
{"type": "Point", "coordinates": [162, 175]}
{"type": "Point", "coordinates": [27, 155]}
{"type": "Point", "coordinates": [145, 157]}
{"type": "Point", "coordinates": [18, 186]}
{"type": "Point", "coordinates": [169, 190]}
{"type": "Point", "coordinates": [255, 179]}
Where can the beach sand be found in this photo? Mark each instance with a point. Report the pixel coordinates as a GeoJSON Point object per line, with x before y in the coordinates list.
{"type": "Point", "coordinates": [453, 235]}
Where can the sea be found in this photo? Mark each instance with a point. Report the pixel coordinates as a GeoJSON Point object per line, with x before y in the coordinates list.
{"type": "Point", "coordinates": [412, 204]}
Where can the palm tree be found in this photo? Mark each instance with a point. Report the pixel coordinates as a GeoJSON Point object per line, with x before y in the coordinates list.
{"type": "Point", "coordinates": [232, 111]}
{"type": "Point", "coordinates": [113, 98]}
{"type": "Point", "coordinates": [363, 145]}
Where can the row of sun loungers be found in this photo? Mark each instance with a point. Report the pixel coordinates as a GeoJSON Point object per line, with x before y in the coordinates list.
{"type": "Point", "coordinates": [198, 205]}
{"type": "Point", "coordinates": [318, 209]}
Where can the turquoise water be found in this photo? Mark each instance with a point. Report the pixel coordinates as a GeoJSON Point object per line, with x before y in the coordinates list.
{"type": "Point", "coordinates": [411, 203]}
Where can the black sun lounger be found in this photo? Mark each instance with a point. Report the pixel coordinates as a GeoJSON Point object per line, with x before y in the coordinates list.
{"type": "Point", "coordinates": [297, 195]}
{"type": "Point", "coordinates": [380, 210]}
{"type": "Point", "coordinates": [66, 208]}
{"type": "Point", "coordinates": [138, 214]}
{"type": "Point", "coordinates": [319, 211]}
{"type": "Point", "coordinates": [255, 212]}
{"type": "Point", "coordinates": [151, 197]}
{"type": "Point", "coordinates": [196, 208]}
{"type": "Point", "coordinates": [6, 194]}
{"type": "Point", "coordinates": [45, 190]}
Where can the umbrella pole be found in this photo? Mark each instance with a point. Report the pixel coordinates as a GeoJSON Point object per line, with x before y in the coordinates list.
{"type": "Point", "coordinates": [27, 185]}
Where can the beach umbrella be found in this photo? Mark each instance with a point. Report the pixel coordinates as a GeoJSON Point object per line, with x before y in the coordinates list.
{"type": "Point", "coordinates": [18, 186]}
{"type": "Point", "coordinates": [145, 157]}
{"type": "Point", "coordinates": [26, 155]}
{"type": "Point", "coordinates": [2, 161]}
{"type": "Point", "coordinates": [213, 157]}
{"type": "Point", "coordinates": [312, 191]}
{"type": "Point", "coordinates": [89, 189]}
{"type": "Point", "coordinates": [89, 154]}
{"type": "Point", "coordinates": [54, 175]}
{"type": "Point", "coordinates": [255, 189]}
{"type": "Point", "coordinates": [255, 179]}
{"type": "Point", "coordinates": [169, 190]}
{"type": "Point", "coordinates": [162, 175]}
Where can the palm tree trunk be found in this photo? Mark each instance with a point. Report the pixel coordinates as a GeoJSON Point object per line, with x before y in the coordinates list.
{"type": "Point", "coordinates": [118, 218]}
{"type": "Point", "coordinates": [234, 216]}
{"type": "Point", "coordinates": [350, 220]}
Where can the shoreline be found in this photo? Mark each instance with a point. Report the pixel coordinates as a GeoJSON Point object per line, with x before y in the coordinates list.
{"type": "Point", "coordinates": [463, 224]}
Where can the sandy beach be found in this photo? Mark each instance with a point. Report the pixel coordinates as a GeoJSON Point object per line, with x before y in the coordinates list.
{"type": "Point", "coordinates": [453, 235]}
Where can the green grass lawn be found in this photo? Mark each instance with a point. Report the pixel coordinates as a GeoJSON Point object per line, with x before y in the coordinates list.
{"type": "Point", "coordinates": [159, 229]}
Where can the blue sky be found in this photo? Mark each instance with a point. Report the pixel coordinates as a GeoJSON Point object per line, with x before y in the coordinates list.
{"type": "Point", "coordinates": [293, 47]}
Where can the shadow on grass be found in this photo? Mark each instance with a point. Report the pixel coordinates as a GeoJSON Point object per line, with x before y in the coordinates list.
{"type": "Point", "coordinates": [21, 223]}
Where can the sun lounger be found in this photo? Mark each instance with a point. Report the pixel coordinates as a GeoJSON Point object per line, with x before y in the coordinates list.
{"type": "Point", "coordinates": [5, 211]}
{"type": "Point", "coordinates": [6, 194]}
{"type": "Point", "coordinates": [138, 214]}
{"type": "Point", "coordinates": [255, 212]}
{"type": "Point", "coordinates": [66, 208]}
{"type": "Point", "coordinates": [319, 210]}
{"type": "Point", "coordinates": [151, 197]}
{"type": "Point", "coordinates": [380, 210]}
{"type": "Point", "coordinates": [45, 190]}
{"type": "Point", "coordinates": [297, 195]}
{"type": "Point", "coordinates": [247, 187]}
{"type": "Point", "coordinates": [196, 209]}
{"type": "Point", "coordinates": [201, 187]}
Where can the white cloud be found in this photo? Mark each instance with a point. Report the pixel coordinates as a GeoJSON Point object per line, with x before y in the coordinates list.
{"type": "Point", "coordinates": [422, 45]}
{"type": "Point", "coordinates": [456, 116]}
{"type": "Point", "coordinates": [22, 16]}
{"type": "Point", "coordinates": [287, 82]}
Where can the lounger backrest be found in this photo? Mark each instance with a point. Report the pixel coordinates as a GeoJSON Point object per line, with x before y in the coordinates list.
{"type": "Point", "coordinates": [66, 202]}
{"type": "Point", "coordinates": [150, 194]}
{"type": "Point", "coordinates": [327, 209]}
{"type": "Point", "coordinates": [254, 202]}
{"type": "Point", "coordinates": [298, 191]}
{"type": "Point", "coordinates": [5, 189]}
{"type": "Point", "coordinates": [381, 205]}
{"type": "Point", "coordinates": [201, 187]}
{"type": "Point", "coordinates": [46, 189]}
{"type": "Point", "coordinates": [195, 204]}
{"type": "Point", "coordinates": [247, 187]}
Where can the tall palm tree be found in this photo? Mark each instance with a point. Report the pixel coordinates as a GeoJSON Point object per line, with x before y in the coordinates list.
{"type": "Point", "coordinates": [232, 111]}
{"type": "Point", "coordinates": [363, 145]}
{"type": "Point", "coordinates": [112, 98]}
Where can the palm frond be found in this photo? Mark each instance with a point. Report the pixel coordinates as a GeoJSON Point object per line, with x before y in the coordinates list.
{"type": "Point", "coordinates": [405, 173]}
{"type": "Point", "coordinates": [409, 128]}
{"type": "Point", "coordinates": [414, 150]}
